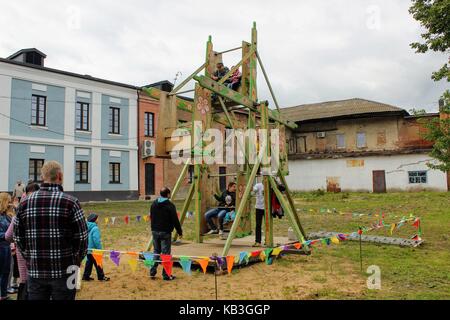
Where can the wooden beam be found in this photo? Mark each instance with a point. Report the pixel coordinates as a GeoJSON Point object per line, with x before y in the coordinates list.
{"type": "Point", "coordinates": [182, 104]}
{"type": "Point", "coordinates": [182, 84]}
{"type": "Point", "coordinates": [241, 207]}
{"type": "Point", "coordinates": [224, 91]}
{"type": "Point", "coordinates": [186, 204]}
{"type": "Point", "coordinates": [287, 209]}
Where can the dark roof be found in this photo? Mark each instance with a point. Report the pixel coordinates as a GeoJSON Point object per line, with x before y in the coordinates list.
{"type": "Point", "coordinates": [14, 55]}
{"type": "Point", "coordinates": [339, 109]}
{"type": "Point", "coordinates": [159, 83]}
{"type": "Point", "coordinates": [71, 74]}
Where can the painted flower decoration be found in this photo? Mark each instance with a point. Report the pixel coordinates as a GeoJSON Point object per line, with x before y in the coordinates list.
{"type": "Point", "coordinates": [202, 105]}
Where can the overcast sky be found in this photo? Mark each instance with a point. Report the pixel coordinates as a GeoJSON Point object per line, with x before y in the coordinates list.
{"type": "Point", "coordinates": [313, 51]}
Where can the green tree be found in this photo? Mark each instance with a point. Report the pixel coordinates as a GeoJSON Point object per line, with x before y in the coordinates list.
{"type": "Point", "coordinates": [438, 131]}
{"type": "Point", "coordinates": [434, 17]}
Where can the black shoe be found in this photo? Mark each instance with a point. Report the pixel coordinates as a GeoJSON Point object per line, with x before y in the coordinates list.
{"type": "Point", "coordinates": [169, 278]}
{"type": "Point", "coordinates": [87, 278]}
{"type": "Point", "coordinates": [104, 279]}
{"type": "Point", "coordinates": [153, 276]}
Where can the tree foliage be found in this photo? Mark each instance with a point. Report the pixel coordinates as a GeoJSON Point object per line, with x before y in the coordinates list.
{"type": "Point", "coordinates": [434, 16]}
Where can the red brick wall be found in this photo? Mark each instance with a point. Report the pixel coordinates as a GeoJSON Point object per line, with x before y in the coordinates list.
{"type": "Point", "coordinates": [147, 104]}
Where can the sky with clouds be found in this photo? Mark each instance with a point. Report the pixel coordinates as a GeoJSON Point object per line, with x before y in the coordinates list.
{"type": "Point", "coordinates": [313, 51]}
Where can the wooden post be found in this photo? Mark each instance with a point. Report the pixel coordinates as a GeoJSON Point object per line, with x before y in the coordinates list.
{"type": "Point", "coordinates": [241, 207]}
{"type": "Point", "coordinates": [287, 209]}
{"type": "Point", "coordinates": [268, 234]}
{"type": "Point", "coordinates": [184, 209]}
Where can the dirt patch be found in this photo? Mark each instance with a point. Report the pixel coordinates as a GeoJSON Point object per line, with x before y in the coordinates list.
{"type": "Point", "coordinates": [291, 277]}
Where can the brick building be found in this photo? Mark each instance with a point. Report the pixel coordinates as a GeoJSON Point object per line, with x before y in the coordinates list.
{"type": "Point", "coordinates": [359, 145]}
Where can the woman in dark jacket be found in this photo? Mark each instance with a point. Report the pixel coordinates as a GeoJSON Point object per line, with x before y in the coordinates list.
{"type": "Point", "coordinates": [5, 249]}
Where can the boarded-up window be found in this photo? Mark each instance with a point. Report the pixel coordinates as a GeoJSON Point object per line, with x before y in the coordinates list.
{"type": "Point", "coordinates": [333, 184]}
{"type": "Point", "coordinates": [361, 140]}
{"type": "Point", "coordinates": [381, 138]}
{"type": "Point", "coordinates": [340, 141]}
{"type": "Point", "coordinates": [292, 145]}
{"type": "Point", "coordinates": [355, 163]}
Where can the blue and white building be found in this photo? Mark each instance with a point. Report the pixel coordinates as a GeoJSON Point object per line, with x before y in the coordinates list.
{"type": "Point", "coordinates": [87, 124]}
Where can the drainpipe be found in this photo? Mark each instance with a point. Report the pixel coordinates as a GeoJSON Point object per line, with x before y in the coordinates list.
{"type": "Point", "coordinates": [137, 143]}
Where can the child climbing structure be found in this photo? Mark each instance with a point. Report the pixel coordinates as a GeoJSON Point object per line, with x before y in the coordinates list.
{"type": "Point", "coordinates": [215, 103]}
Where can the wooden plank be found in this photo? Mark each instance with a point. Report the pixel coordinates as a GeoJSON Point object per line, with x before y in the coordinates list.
{"type": "Point", "coordinates": [224, 91]}
{"type": "Point", "coordinates": [182, 104]}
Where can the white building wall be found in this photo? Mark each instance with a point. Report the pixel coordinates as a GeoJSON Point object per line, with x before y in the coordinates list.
{"type": "Point", "coordinates": [307, 175]}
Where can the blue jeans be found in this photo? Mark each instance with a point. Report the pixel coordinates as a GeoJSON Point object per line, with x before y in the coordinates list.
{"type": "Point", "coordinates": [5, 268]}
{"type": "Point", "coordinates": [215, 212]}
{"type": "Point", "coordinates": [162, 242]}
{"type": "Point", "coordinates": [46, 289]}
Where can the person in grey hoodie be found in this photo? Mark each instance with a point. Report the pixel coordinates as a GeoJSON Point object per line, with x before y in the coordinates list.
{"type": "Point", "coordinates": [164, 220]}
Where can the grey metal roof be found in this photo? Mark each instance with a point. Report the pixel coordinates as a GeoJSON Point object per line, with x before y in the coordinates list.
{"type": "Point", "coordinates": [26, 50]}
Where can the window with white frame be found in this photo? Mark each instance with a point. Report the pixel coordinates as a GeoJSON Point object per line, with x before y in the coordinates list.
{"type": "Point", "coordinates": [82, 116]}
{"type": "Point", "coordinates": [340, 141]}
{"type": "Point", "coordinates": [38, 110]}
{"type": "Point", "coordinates": [361, 140]}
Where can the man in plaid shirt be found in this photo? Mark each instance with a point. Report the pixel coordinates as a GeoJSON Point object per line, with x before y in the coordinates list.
{"type": "Point", "coordinates": [51, 231]}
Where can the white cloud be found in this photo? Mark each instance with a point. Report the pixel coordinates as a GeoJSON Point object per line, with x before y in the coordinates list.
{"type": "Point", "coordinates": [313, 50]}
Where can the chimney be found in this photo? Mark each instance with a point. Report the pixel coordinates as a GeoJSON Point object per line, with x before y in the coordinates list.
{"type": "Point", "coordinates": [29, 56]}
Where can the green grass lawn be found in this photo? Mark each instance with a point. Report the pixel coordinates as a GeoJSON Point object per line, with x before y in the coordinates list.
{"type": "Point", "coordinates": [406, 273]}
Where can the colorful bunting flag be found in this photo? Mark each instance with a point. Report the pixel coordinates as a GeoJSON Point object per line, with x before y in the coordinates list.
{"type": "Point", "coordinates": [276, 251]}
{"type": "Point", "coordinates": [242, 256]}
{"type": "Point", "coordinates": [133, 264]}
{"type": "Point", "coordinates": [115, 257]}
{"type": "Point", "coordinates": [127, 219]}
{"type": "Point", "coordinates": [106, 220]}
{"type": "Point", "coordinates": [113, 220]}
{"type": "Point", "coordinates": [267, 253]}
{"type": "Point", "coordinates": [203, 263]}
{"type": "Point", "coordinates": [167, 263]}
{"type": "Point", "coordinates": [297, 245]}
{"type": "Point", "coordinates": [335, 240]}
{"type": "Point", "coordinates": [393, 228]}
{"type": "Point", "coordinates": [138, 218]}
{"type": "Point", "coordinates": [186, 264]}
{"type": "Point", "coordinates": [230, 263]}
{"type": "Point", "coordinates": [98, 257]}
{"type": "Point", "coordinates": [149, 259]}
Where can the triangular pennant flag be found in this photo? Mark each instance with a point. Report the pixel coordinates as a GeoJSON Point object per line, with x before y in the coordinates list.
{"type": "Point", "coordinates": [186, 264]}
{"type": "Point", "coordinates": [146, 218]}
{"type": "Point", "coordinates": [127, 219]}
{"type": "Point", "coordinates": [133, 264]}
{"type": "Point", "coordinates": [276, 251]}
{"type": "Point", "coordinates": [255, 253]}
{"type": "Point", "coordinates": [297, 245]}
{"type": "Point", "coordinates": [242, 256]}
{"type": "Point", "coordinates": [149, 259]}
{"type": "Point", "coordinates": [262, 255]}
{"type": "Point", "coordinates": [106, 220]}
{"type": "Point", "coordinates": [335, 240]}
{"type": "Point", "coordinates": [416, 223]}
{"type": "Point", "coordinates": [203, 263]}
{"type": "Point", "coordinates": [267, 253]}
{"type": "Point", "coordinates": [323, 241]}
{"type": "Point", "coordinates": [328, 241]}
{"type": "Point", "coordinates": [393, 228]}
{"type": "Point", "coordinates": [416, 238]}
{"type": "Point", "coordinates": [98, 257]}
{"type": "Point", "coordinates": [342, 236]}
{"type": "Point", "coordinates": [115, 257]}
{"type": "Point", "coordinates": [113, 220]}
{"type": "Point", "coordinates": [230, 263]}
{"type": "Point", "coordinates": [167, 263]}
{"type": "Point", "coordinates": [138, 218]}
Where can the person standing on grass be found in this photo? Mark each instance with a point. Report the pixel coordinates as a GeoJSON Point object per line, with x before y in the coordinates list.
{"type": "Point", "coordinates": [94, 242]}
{"type": "Point", "coordinates": [51, 232]}
{"type": "Point", "coordinates": [19, 190]}
{"type": "Point", "coordinates": [22, 294]}
{"type": "Point", "coordinates": [5, 248]}
{"type": "Point", "coordinates": [164, 219]}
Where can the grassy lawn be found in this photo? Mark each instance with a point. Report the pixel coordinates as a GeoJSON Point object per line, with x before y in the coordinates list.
{"type": "Point", "coordinates": [331, 272]}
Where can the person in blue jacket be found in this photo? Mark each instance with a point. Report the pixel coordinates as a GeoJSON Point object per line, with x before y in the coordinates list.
{"type": "Point", "coordinates": [94, 242]}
